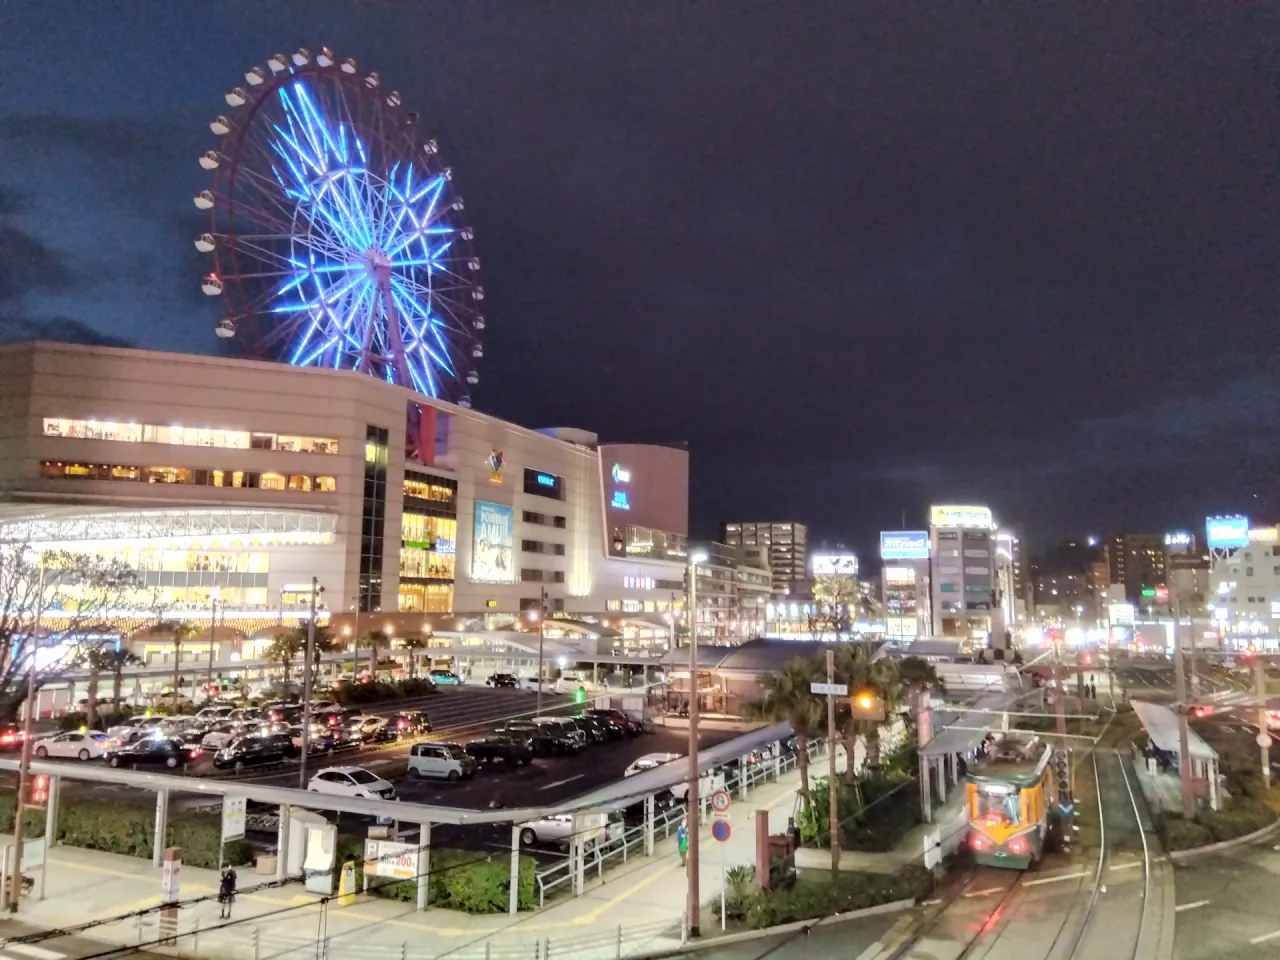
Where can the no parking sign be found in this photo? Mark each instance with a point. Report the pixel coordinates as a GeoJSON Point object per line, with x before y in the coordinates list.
{"type": "Point", "coordinates": [720, 830]}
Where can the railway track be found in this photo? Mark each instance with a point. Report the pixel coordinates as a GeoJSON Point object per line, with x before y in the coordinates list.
{"type": "Point", "coordinates": [1109, 911]}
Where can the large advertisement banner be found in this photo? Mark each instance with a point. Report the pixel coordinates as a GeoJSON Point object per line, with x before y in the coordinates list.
{"type": "Point", "coordinates": [1224, 533]}
{"type": "Point", "coordinates": [904, 545]}
{"type": "Point", "coordinates": [491, 549]}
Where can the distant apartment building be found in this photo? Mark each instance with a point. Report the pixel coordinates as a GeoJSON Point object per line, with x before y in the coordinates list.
{"type": "Point", "coordinates": [732, 596]}
{"type": "Point", "coordinates": [1138, 561]}
{"type": "Point", "coordinates": [782, 546]}
{"type": "Point", "coordinates": [965, 586]}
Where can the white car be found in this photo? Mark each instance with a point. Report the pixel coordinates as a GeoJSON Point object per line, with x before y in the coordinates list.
{"type": "Point", "coordinates": [445, 761]}
{"type": "Point", "coordinates": [366, 727]}
{"type": "Point", "coordinates": [557, 828]}
{"type": "Point", "coordinates": [222, 735]}
{"type": "Point", "coordinates": [352, 782]}
{"type": "Point", "coordinates": [73, 746]}
{"type": "Point", "coordinates": [650, 761]}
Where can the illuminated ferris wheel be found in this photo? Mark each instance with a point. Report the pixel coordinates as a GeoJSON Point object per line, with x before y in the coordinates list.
{"type": "Point", "coordinates": [336, 236]}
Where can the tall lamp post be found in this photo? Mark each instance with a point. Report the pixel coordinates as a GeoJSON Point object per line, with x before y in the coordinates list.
{"type": "Point", "coordinates": [24, 764]}
{"type": "Point", "coordinates": [542, 617]}
{"type": "Point", "coordinates": [693, 900]}
{"type": "Point", "coordinates": [308, 657]}
{"type": "Point", "coordinates": [213, 626]}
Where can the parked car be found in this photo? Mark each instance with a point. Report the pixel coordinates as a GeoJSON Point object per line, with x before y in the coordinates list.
{"type": "Point", "coordinates": [440, 760]}
{"type": "Point", "coordinates": [78, 746]}
{"type": "Point", "coordinates": [544, 740]}
{"type": "Point", "coordinates": [513, 751]}
{"type": "Point", "coordinates": [221, 735]}
{"type": "Point", "coordinates": [250, 751]}
{"type": "Point", "coordinates": [285, 713]}
{"type": "Point", "coordinates": [649, 761]}
{"type": "Point", "coordinates": [351, 782]}
{"type": "Point", "coordinates": [336, 716]}
{"type": "Point", "coordinates": [134, 723]}
{"type": "Point", "coordinates": [240, 714]}
{"type": "Point", "coordinates": [215, 713]}
{"type": "Point", "coordinates": [629, 723]}
{"type": "Point", "coordinates": [366, 729]}
{"type": "Point", "coordinates": [613, 730]}
{"type": "Point", "coordinates": [566, 728]}
{"type": "Point", "coordinates": [595, 731]}
{"type": "Point", "coordinates": [557, 828]}
{"type": "Point", "coordinates": [153, 751]}
{"type": "Point", "coordinates": [410, 723]}
{"type": "Point", "coordinates": [321, 739]}
{"type": "Point", "coordinates": [447, 677]}
{"type": "Point", "coordinates": [503, 680]}
{"type": "Point", "coordinates": [11, 737]}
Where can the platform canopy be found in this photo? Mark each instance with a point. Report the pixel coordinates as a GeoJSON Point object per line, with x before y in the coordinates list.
{"type": "Point", "coordinates": [1161, 725]}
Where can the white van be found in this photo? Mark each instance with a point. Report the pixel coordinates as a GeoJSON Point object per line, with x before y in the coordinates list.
{"type": "Point", "coordinates": [441, 761]}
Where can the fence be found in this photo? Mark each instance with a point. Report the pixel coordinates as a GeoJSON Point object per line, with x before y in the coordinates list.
{"type": "Point", "coordinates": [622, 842]}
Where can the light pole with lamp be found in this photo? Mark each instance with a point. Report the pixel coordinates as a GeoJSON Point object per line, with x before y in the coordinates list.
{"type": "Point", "coordinates": [307, 657]}
{"type": "Point", "coordinates": [694, 802]}
{"type": "Point", "coordinates": [542, 617]}
{"type": "Point", "coordinates": [24, 763]}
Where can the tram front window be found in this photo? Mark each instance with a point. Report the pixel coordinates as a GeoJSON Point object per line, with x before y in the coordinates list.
{"type": "Point", "coordinates": [999, 807]}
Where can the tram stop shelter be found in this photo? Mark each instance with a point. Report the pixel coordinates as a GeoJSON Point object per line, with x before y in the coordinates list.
{"type": "Point", "coordinates": [944, 757]}
{"type": "Point", "coordinates": [1161, 725]}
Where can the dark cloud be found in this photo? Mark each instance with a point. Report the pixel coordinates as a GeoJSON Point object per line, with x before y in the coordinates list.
{"type": "Point", "coordinates": [14, 328]}
{"type": "Point", "coordinates": [27, 265]}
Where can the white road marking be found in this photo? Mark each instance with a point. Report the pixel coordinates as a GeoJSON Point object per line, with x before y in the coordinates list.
{"type": "Point", "coordinates": [561, 783]}
{"type": "Point", "coordinates": [986, 893]}
{"type": "Point", "coordinates": [1190, 906]}
{"type": "Point", "coordinates": [1127, 866]}
{"type": "Point", "coordinates": [378, 763]}
{"type": "Point", "coordinates": [1065, 876]}
{"type": "Point", "coordinates": [36, 953]}
{"type": "Point", "coordinates": [1265, 937]}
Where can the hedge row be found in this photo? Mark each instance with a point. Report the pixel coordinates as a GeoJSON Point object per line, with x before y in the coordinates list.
{"type": "Point", "coordinates": [1241, 817]}
{"type": "Point", "coordinates": [459, 880]}
{"type": "Point", "coordinates": [129, 830]}
{"type": "Point", "coordinates": [811, 898]}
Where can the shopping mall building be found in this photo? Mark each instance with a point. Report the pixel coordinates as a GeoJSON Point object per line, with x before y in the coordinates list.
{"type": "Point", "coordinates": [239, 481]}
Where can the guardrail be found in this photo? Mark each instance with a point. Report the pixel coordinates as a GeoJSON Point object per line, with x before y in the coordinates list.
{"type": "Point", "coordinates": [623, 841]}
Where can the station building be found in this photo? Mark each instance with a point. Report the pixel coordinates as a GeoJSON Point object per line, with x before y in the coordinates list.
{"type": "Point", "coordinates": [229, 484]}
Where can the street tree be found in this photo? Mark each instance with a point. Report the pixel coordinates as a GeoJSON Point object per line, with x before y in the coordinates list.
{"type": "Point", "coordinates": [834, 596]}
{"type": "Point", "coordinates": [859, 668]}
{"type": "Point", "coordinates": [115, 661]}
{"type": "Point", "coordinates": [180, 632]}
{"type": "Point", "coordinates": [374, 641]}
{"type": "Point", "coordinates": [787, 699]}
{"type": "Point", "coordinates": [413, 644]}
{"type": "Point", "coordinates": [48, 601]}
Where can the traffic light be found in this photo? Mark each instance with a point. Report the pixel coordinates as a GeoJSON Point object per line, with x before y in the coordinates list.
{"type": "Point", "coordinates": [1061, 768]}
{"type": "Point", "coordinates": [38, 790]}
{"type": "Point", "coordinates": [866, 705]}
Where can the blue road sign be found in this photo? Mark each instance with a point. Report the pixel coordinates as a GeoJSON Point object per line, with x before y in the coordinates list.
{"type": "Point", "coordinates": [720, 830]}
{"type": "Point", "coordinates": [1066, 809]}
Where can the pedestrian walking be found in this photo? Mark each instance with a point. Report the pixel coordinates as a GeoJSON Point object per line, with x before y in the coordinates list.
{"type": "Point", "coordinates": [227, 892]}
{"type": "Point", "coordinates": [1093, 688]}
{"type": "Point", "coordinates": [682, 841]}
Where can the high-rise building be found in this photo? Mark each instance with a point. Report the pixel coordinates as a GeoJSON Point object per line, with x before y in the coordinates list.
{"type": "Point", "coordinates": [783, 545]}
{"type": "Point", "coordinates": [964, 593]}
{"type": "Point", "coordinates": [732, 596]}
{"type": "Point", "coordinates": [904, 577]}
{"type": "Point", "coordinates": [1137, 560]}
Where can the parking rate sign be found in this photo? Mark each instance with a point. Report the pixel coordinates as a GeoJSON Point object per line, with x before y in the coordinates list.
{"type": "Point", "coordinates": [233, 810]}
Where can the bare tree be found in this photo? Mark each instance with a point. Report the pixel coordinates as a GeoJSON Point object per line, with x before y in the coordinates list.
{"type": "Point", "coordinates": [50, 602]}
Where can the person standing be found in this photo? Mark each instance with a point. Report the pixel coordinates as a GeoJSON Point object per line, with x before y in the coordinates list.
{"type": "Point", "coordinates": [682, 841]}
{"type": "Point", "coordinates": [227, 892]}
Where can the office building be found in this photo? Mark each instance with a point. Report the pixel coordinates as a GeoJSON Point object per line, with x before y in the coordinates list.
{"type": "Point", "coordinates": [905, 583]}
{"type": "Point", "coordinates": [964, 587]}
{"type": "Point", "coordinates": [784, 547]}
{"type": "Point", "coordinates": [1137, 561]}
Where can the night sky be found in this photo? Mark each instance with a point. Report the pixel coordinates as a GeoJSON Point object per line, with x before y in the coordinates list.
{"type": "Point", "coordinates": [859, 256]}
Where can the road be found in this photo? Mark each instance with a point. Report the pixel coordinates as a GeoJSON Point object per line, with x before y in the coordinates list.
{"type": "Point", "coordinates": [1227, 905]}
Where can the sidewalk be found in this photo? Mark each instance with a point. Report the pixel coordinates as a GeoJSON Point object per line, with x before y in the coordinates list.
{"type": "Point", "coordinates": [636, 908]}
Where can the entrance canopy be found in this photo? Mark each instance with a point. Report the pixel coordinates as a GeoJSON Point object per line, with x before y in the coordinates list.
{"type": "Point", "coordinates": [1161, 725]}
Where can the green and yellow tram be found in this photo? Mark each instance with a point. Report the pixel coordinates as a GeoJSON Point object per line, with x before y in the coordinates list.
{"type": "Point", "coordinates": [1010, 801]}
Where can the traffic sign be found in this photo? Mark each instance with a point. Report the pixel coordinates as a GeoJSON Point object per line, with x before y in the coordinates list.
{"type": "Point", "coordinates": [1263, 739]}
{"type": "Point", "coordinates": [720, 830]}
{"type": "Point", "coordinates": [1066, 808]}
{"type": "Point", "coordinates": [720, 801]}
{"type": "Point", "coordinates": [829, 689]}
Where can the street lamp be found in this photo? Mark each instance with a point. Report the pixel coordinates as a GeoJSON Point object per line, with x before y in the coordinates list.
{"type": "Point", "coordinates": [213, 625]}
{"type": "Point", "coordinates": [307, 657]}
{"type": "Point", "coordinates": [692, 903]}
{"type": "Point", "coordinates": [541, 616]}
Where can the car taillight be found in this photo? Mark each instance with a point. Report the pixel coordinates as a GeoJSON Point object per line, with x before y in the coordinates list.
{"type": "Point", "coordinates": [1018, 845]}
{"type": "Point", "coordinates": [978, 841]}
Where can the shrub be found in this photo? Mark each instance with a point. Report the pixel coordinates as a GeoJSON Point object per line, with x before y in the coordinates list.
{"type": "Point", "coordinates": [1180, 834]}
{"type": "Point", "coordinates": [129, 830]}
{"type": "Point", "coordinates": [812, 898]}
{"type": "Point", "coordinates": [459, 879]}
{"type": "Point", "coordinates": [878, 823]}
{"type": "Point", "coordinates": [106, 719]}
{"type": "Point", "coordinates": [1243, 816]}
{"type": "Point", "coordinates": [351, 694]}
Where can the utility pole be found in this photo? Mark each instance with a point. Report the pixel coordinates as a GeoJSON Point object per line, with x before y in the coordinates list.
{"type": "Point", "coordinates": [542, 616]}
{"type": "Point", "coordinates": [1064, 751]}
{"type": "Point", "coordinates": [1264, 737]}
{"type": "Point", "coordinates": [1184, 731]}
{"type": "Point", "coordinates": [693, 901]}
{"type": "Point", "coordinates": [307, 658]}
{"type": "Point", "coordinates": [833, 806]}
{"type": "Point", "coordinates": [24, 764]}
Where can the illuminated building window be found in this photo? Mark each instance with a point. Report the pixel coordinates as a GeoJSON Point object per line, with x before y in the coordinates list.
{"type": "Point", "coordinates": [185, 436]}
{"type": "Point", "coordinates": [421, 486]}
{"type": "Point", "coordinates": [58, 469]}
{"type": "Point", "coordinates": [426, 598]}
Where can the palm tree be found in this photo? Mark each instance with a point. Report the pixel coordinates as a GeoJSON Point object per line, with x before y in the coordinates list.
{"type": "Point", "coordinates": [180, 632]}
{"type": "Point", "coordinates": [413, 644]}
{"type": "Point", "coordinates": [856, 667]}
{"type": "Point", "coordinates": [787, 700]}
{"type": "Point", "coordinates": [115, 660]}
{"type": "Point", "coordinates": [373, 641]}
{"type": "Point", "coordinates": [93, 659]}
{"type": "Point", "coordinates": [284, 649]}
